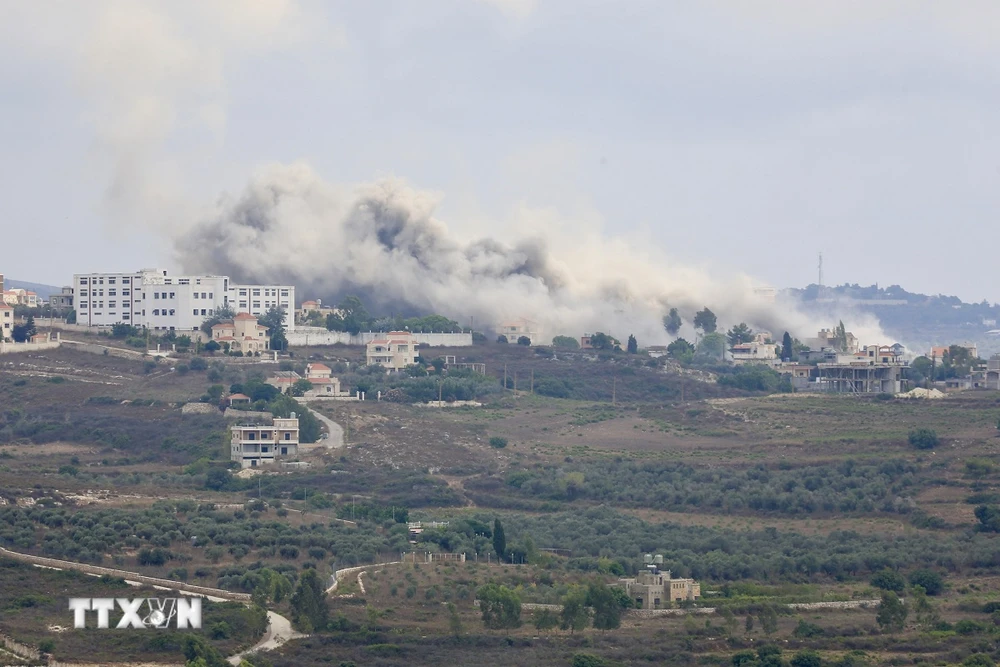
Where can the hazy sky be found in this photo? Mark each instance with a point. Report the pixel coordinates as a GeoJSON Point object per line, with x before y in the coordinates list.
{"type": "Point", "coordinates": [738, 136]}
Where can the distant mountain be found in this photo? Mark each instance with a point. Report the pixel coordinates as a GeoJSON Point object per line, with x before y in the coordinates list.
{"type": "Point", "coordinates": [43, 291]}
{"type": "Point", "coordinates": [915, 319]}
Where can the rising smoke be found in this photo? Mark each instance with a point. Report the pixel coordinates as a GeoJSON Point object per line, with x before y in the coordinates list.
{"type": "Point", "coordinates": [382, 242]}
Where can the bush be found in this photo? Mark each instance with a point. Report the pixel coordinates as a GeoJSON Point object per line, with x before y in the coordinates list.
{"type": "Point", "coordinates": [923, 438]}
{"type": "Point", "coordinates": [182, 369]}
{"type": "Point", "coordinates": [929, 580]}
{"type": "Point", "coordinates": [155, 556]}
{"type": "Point", "coordinates": [497, 442]}
{"type": "Point", "coordinates": [198, 364]}
{"type": "Point", "coordinates": [148, 366]}
{"type": "Point", "coordinates": [889, 580]}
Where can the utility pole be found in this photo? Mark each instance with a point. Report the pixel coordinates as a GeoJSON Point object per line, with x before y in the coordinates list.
{"type": "Point", "coordinates": [532, 389]}
{"type": "Point", "coordinates": [614, 389]}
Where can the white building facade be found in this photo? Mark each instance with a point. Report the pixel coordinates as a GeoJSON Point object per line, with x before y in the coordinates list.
{"type": "Point", "coordinates": [151, 298]}
{"type": "Point", "coordinates": [254, 444]}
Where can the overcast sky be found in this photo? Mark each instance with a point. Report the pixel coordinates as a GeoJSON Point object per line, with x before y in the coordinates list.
{"type": "Point", "coordinates": [739, 136]}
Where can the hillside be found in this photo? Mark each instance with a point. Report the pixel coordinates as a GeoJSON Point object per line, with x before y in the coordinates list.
{"type": "Point", "coordinates": [43, 291]}
{"type": "Point", "coordinates": [917, 320]}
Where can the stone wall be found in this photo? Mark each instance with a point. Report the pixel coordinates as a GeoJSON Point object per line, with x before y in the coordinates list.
{"type": "Point", "coordinates": [14, 348]}
{"type": "Point", "coordinates": [303, 336]}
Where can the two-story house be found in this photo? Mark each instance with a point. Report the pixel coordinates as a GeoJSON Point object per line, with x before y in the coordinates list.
{"type": "Point", "coordinates": [243, 334]}
{"type": "Point", "coordinates": [396, 351]}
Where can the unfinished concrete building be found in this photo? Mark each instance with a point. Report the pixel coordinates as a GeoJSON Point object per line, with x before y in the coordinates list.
{"type": "Point", "coordinates": [656, 589]}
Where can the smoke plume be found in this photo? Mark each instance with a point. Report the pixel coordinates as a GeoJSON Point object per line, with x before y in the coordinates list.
{"type": "Point", "coordinates": [382, 242]}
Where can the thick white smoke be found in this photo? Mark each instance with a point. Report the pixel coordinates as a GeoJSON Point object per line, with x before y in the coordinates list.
{"type": "Point", "coordinates": [382, 241]}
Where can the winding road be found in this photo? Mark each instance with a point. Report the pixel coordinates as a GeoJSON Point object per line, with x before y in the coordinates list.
{"type": "Point", "coordinates": [279, 629]}
{"type": "Point", "coordinates": [336, 438]}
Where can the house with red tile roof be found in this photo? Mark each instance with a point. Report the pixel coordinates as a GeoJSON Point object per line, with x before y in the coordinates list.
{"type": "Point", "coordinates": [395, 351]}
{"type": "Point", "coordinates": [243, 334]}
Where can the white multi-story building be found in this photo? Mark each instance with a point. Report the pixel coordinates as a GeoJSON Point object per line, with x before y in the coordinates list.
{"type": "Point", "coordinates": [256, 299]}
{"type": "Point", "coordinates": [150, 298]}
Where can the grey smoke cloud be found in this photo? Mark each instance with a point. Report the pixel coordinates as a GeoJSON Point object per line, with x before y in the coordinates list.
{"type": "Point", "coordinates": [383, 242]}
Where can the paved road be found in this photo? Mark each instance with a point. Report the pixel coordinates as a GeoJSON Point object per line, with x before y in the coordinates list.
{"type": "Point", "coordinates": [336, 438]}
{"type": "Point", "coordinates": [279, 631]}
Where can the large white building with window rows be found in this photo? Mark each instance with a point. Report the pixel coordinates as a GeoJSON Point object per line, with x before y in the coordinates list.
{"type": "Point", "coordinates": [150, 298]}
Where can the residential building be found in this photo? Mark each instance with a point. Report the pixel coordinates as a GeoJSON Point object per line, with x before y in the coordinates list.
{"type": "Point", "coordinates": [21, 297]}
{"type": "Point", "coordinates": [63, 300]}
{"type": "Point", "coordinates": [10, 297]}
{"type": "Point", "coordinates": [882, 354]}
{"type": "Point", "coordinates": [654, 351]}
{"type": "Point", "coordinates": [307, 308]}
{"type": "Point", "coordinates": [828, 338]}
{"type": "Point", "coordinates": [242, 334]}
{"type": "Point", "coordinates": [514, 329]}
{"type": "Point", "coordinates": [6, 321]}
{"type": "Point", "coordinates": [938, 351]}
{"type": "Point", "coordinates": [755, 351]}
{"type": "Point", "coordinates": [1, 283]}
{"type": "Point", "coordinates": [283, 380]}
{"type": "Point", "coordinates": [151, 298]}
{"type": "Point", "coordinates": [396, 351]}
{"type": "Point", "coordinates": [323, 382]}
{"type": "Point", "coordinates": [257, 299]}
{"type": "Point", "coordinates": [656, 589]}
{"type": "Point", "coordinates": [258, 444]}
{"type": "Point", "coordinates": [993, 372]}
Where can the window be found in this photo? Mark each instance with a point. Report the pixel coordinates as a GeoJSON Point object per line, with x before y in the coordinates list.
{"type": "Point", "coordinates": [209, 311]}
{"type": "Point", "coordinates": [100, 281]}
{"type": "Point", "coordinates": [83, 281]}
{"type": "Point", "coordinates": [172, 295]}
{"type": "Point", "coordinates": [184, 281]}
{"type": "Point", "coordinates": [126, 281]}
{"type": "Point", "coordinates": [211, 295]}
{"type": "Point", "coordinates": [83, 292]}
{"type": "Point", "coordinates": [112, 292]}
{"type": "Point", "coordinates": [256, 304]}
{"type": "Point", "coordinates": [112, 304]}
{"type": "Point", "coordinates": [288, 436]}
{"type": "Point", "coordinates": [100, 292]}
{"type": "Point", "coordinates": [126, 292]}
{"type": "Point", "coordinates": [243, 304]}
{"type": "Point", "coordinates": [100, 305]}
{"type": "Point", "coordinates": [284, 292]}
{"type": "Point", "coordinates": [111, 281]}
{"type": "Point", "coordinates": [256, 292]}
{"type": "Point", "coordinates": [202, 311]}
{"type": "Point", "coordinates": [195, 312]}
{"type": "Point", "coordinates": [83, 305]}
{"type": "Point", "coordinates": [195, 295]}
{"type": "Point", "coordinates": [156, 295]}
{"type": "Point", "coordinates": [243, 292]}
{"type": "Point", "coordinates": [197, 281]}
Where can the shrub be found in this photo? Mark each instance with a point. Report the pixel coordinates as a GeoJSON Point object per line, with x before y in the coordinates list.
{"type": "Point", "coordinates": [923, 438]}
{"type": "Point", "coordinates": [148, 366]}
{"type": "Point", "coordinates": [888, 580]}
{"type": "Point", "coordinates": [497, 442]}
{"type": "Point", "coordinates": [198, 364]}
{"type": "Point", "coordinates": [155, 556]}
{"type": "Point", "coordinates": [182, 369]}
{"type": "Point", "coordinates": [929, 580]}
